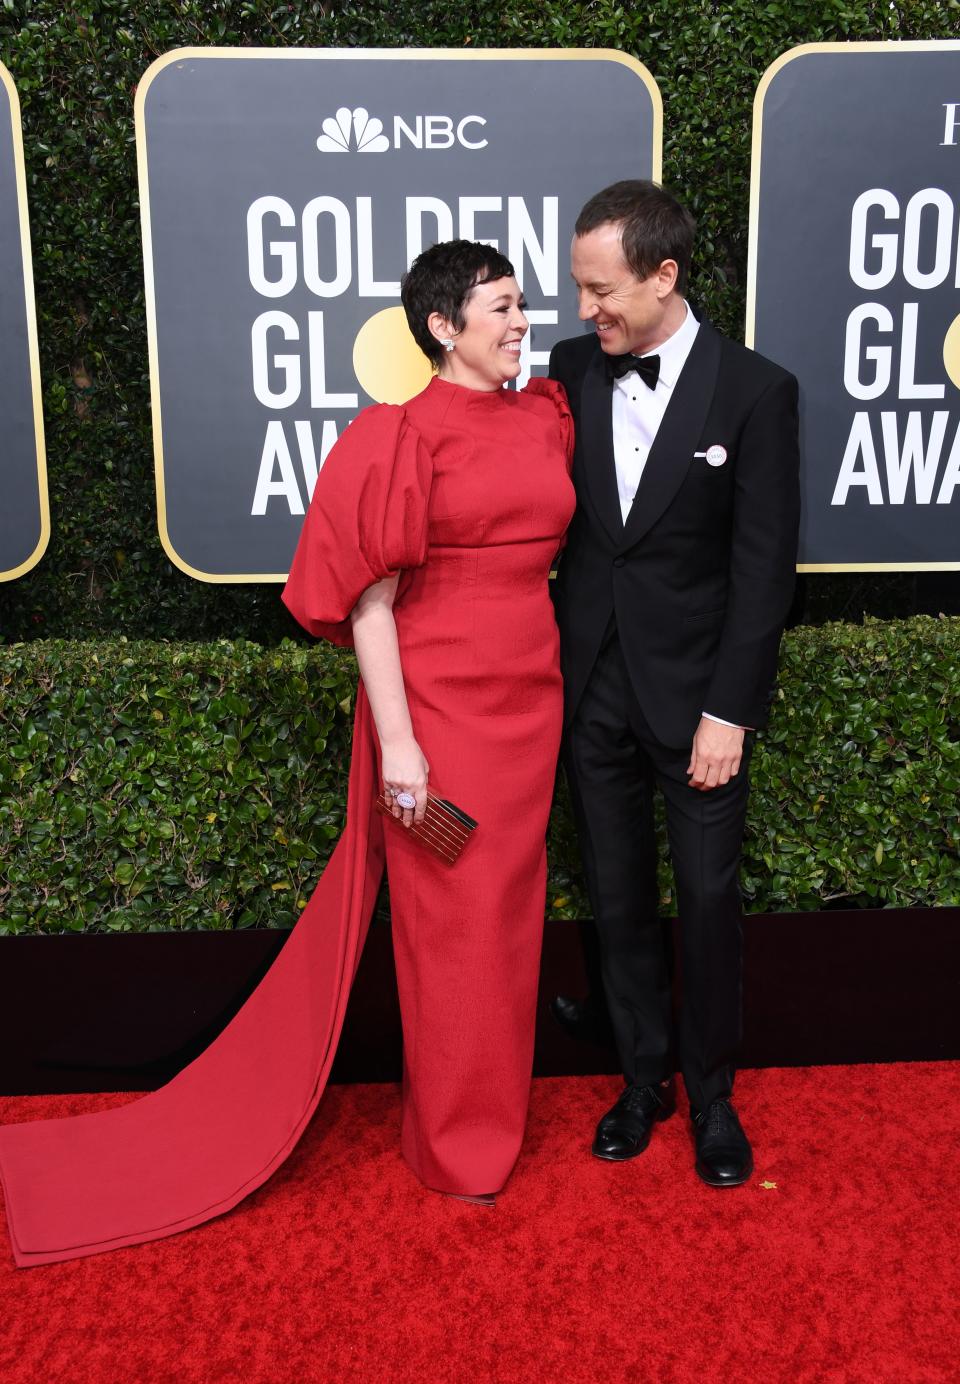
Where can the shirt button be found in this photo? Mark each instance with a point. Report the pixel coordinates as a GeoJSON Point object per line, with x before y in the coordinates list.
{"type": "Point", "coordinates": [619, 562]}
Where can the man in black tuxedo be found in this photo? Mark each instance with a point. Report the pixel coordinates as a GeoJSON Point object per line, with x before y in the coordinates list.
{"type": "Point", "coordinates": [671, 596]}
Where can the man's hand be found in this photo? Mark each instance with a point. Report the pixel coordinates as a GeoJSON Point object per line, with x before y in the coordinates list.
{"type": "Point", "coordinates": [716, 754]}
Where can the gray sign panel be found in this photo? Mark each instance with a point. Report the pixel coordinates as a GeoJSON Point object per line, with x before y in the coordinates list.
{"type": "Point", "coordinates": [283, 195]}
{"type": "Point", "coordinates": [855, 270]}
{"type": "Point", "coordinates": [24, 515]}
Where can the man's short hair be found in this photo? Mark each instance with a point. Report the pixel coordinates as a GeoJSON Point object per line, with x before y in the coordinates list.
{"type": "Point", "coordinates": [654, 226]}
{"type": "Point", "coordinates": [442, 279]}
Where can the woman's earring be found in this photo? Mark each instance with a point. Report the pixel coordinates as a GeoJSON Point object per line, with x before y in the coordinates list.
{"type": "Point", "coordinates": [446, 343]}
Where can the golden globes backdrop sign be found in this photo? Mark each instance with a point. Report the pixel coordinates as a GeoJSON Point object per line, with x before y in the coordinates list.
{"type": "Point", "coordinates": [854, 277]}
{"type": "Point", "coordinates": [24, 514]}
{"type": "Point", "coordinates": [283, 195]}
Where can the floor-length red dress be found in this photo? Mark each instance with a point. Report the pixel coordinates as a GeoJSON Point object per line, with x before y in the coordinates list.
{"type": "Point", "coordinates": [467, 493]}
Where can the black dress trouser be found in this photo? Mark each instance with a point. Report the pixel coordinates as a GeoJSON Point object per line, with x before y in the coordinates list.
{"type": "Point", "coordinates": [613, 761]}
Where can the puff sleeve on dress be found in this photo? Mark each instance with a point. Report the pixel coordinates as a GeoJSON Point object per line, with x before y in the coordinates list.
{"type": "Point", "coordinates": [554, 393]}
{"type": "Point", "coordinates": [367, 520]}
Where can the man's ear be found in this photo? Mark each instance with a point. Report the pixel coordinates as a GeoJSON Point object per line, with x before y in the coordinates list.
{"type": "Point", "coordinates": [440, 328]}
{"type": "Point", "coordinates": [667, 274]}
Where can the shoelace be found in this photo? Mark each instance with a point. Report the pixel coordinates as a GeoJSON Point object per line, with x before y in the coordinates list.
{"type": "Point", "coordinates": [641, 1098]}
{"type": "Point", "coordinates": [720, 1116]}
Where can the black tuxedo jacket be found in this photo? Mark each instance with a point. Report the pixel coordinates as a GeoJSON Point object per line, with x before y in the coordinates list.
{"type": "Point", "coordinates": [701, 576]}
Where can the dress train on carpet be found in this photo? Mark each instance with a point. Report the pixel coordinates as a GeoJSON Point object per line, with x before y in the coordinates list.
{"type": "Point", "coordinates": [197, 1146]}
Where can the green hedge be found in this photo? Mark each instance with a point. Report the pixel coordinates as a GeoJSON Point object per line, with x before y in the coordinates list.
{"type": "Point", "coordinates": [76, 67]}
{"type": "Point", "coordinates": [150, 787]}
{"type": "Point", "coordinates": [146, 786]}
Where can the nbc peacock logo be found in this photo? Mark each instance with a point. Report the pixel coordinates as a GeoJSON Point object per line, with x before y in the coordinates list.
{"type": "Point", "coordinates": [352, 130]}
{"type": "Point", "coordinates": [358, 132]}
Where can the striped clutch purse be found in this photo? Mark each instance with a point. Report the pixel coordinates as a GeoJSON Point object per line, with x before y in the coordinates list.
{"type": "Point", "coordinates": [445, 828]}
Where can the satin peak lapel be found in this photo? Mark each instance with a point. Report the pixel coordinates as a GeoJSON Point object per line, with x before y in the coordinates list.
{"type": "Point", "coordinates": [596, 446]}
{"type": "Point", "coordinates": [677, 437]}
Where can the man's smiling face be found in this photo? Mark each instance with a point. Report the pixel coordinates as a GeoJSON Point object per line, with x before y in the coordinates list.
{"type": "Point", "coordinates": [628, 313]}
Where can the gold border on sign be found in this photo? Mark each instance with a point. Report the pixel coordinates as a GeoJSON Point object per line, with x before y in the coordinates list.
{"type": "Point", "coordinates": [309, 54]}
{"type": "Point", "coordinates": [33, 352]}
{"type": "Point", "coordinates": [893, 46]}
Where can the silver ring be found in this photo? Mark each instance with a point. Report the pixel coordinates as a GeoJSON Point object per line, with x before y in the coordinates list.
{"type": "Point", "coordinates": [405, 800]}
{"type": "Point", "coordinates": [391, 791]}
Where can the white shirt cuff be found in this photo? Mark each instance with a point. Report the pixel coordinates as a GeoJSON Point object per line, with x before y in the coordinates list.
{"type": "Point", "coordinates": [721, 722]}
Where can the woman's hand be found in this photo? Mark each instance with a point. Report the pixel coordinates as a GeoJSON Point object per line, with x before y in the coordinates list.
{"type": "Point", "coordinates": [405, 770]}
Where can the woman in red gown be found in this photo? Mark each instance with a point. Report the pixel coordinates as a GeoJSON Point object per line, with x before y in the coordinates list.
{"type": "Point", "coordinates": [428, 543]}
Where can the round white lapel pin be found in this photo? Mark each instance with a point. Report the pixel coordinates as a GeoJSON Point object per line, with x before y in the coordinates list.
{"type": "Point", "coordinates": [716, 455]}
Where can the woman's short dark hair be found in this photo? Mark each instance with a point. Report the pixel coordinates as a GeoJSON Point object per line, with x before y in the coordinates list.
{"type": "Point", "coordinates": [653, 226]}
{"type": "Point", "coordinates": [441, 279]}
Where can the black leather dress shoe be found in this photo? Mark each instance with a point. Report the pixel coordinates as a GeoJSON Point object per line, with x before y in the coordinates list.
{"type": "Point", "coordinates": [724, 1157]}
{"type": "Point", "coordinates": [584, 1020]}
{"type": "Point", "coordinates": [625, 1130]}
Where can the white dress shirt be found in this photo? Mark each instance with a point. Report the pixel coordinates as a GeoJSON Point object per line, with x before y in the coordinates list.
{"type": "Point", "coordinates": [638, 412]}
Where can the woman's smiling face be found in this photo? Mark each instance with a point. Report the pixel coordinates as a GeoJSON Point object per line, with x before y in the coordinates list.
{"type": "Point", "coordinates": [487, 348]}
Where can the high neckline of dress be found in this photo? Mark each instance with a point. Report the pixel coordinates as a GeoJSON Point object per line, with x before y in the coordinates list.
{"type": "Point", "coordinates": [479, 398]}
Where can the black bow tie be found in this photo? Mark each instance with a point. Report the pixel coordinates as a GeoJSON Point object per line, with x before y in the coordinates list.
{"type": "Point", "coordinates": [647, 367]}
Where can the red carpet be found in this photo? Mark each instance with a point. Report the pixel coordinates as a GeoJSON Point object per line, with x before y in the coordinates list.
{"type": "Point", "coordinates": [343, 1268]}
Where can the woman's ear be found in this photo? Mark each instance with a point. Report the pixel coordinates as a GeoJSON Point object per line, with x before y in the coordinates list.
{"type": "Point", "coordinates": [440, 328]}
